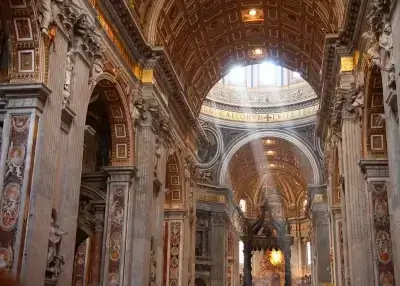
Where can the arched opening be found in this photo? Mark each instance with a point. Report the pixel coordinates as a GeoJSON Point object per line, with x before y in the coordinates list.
{"type": "Point", "coordinates": [200, 282]}
{"type": "Point", "coordinates": [108, 141]}
{"type": "Point", "coordinates": [244, 33]}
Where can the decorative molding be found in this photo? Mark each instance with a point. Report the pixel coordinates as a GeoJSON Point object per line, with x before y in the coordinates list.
{"type": "Point", "coordinates": [67, 116]}
{"type": "Point", "coordinates": [377, 168]}
{"type": "Point", "coordinates": [30, 95]}
{"type": "Point", "coordinates": [219, 218]}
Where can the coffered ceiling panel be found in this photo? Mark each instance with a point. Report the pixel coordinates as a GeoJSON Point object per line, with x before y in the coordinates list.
{"type": "Point", "coordinates": [205, 38]}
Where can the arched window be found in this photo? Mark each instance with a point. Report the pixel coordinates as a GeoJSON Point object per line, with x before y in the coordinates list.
{"type": "Point", "coordinates": [241, 254]}
{"type": "Point", "coordinates": [243, 205]}
{"type": "Point", "coordinates": [237, 76]}
{"type": "Point", "coordinates": [296, 75]}
{"type": "Point", "coordinates": [308, 245]}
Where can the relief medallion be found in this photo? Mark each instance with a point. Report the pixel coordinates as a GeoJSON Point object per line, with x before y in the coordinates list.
{"type": "Point", "coordinates": [112, 279]}
{"type": "Point", "coordinates": [10, 206]}
{"type": "Point", "coordinates": [384, 247]}
{"type": "Point", "coordinates": [115, 252]}
{"type": "Point", "coordinates": [5, 257]}
{"type": "Point", "coordinates": [386, 279]}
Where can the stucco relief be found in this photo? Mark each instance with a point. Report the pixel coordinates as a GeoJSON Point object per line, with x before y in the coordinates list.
{"type": "Point", "coordinates": [383, 242]}
{"type": "Point", "coordinates": [12, 191]}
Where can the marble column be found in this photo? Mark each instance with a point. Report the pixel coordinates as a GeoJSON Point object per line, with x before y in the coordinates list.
{"type": "Point", "coordinates": [116, 248]}
{"type": "Point", "coordinates": [218, 248]}
{"type": "Point", "coordinates": [97, 244]}
{"type": "Point", "coordinates": [26, 191]}
{"type": "Point", "coordinates": [358, 213]}
{"type": "Point", "coordinates": [322, 245]}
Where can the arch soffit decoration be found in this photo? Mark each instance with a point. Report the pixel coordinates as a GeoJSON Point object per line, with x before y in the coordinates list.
{"type": "Point", "coordinates": [281, 134]}
{"type": "Point", "coordinates": [27, 53]}
{"type": "Point", "coordinates": [292, 33]}
{"type": "Point", "coordinates": [174, 183]}
{"type": "Point", "coordinates": [121, 123]}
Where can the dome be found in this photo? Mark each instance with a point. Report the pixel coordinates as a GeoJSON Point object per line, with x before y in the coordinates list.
{"type": "Point", "coordinates": [262, 93]}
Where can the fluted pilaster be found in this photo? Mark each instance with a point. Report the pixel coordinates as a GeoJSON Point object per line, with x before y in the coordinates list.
{"type": "Point", "coordinates": [143, 220]}
{"type": "Point", "coordinates": [218, 248]}
{"type": "Point", "coordinates": [357, 200]}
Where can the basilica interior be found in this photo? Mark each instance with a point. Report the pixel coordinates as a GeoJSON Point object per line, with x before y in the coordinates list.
{"type": "Point", "coordinates": [200, 142]}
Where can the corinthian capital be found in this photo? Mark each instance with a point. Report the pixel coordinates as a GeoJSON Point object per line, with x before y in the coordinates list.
{"type": "Point", "coordinates": [219, 218]}
{"type": "Point", "coordinates": [148, 111]}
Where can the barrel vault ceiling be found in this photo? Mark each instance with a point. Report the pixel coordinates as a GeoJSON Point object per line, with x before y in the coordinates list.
{"type": "Point", "coordinates": [270, 162]}
{"type": "Point", "coordinates": [204, 39]}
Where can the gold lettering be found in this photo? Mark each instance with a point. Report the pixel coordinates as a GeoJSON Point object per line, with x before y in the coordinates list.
{"type": "Point", "coordinates": [259, 117]}
{"type": "Point", "coordinates": [210, 198]}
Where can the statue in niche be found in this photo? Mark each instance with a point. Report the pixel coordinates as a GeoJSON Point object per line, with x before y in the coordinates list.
{"type": "Point", "coordinates": [357, 96]}
{"type": "Point", "coordinates": [69, 67]}
{"type": "Point", "coordinates": [385, 40]}
{"type": "Point", "coordinates": [373, 50]}
{"type": "Point", "coordinates": [44, 15]}
{"type": "Point", "coordinates": [391, 82]}
{"type": "Point", "coordinates": [96, 71]}
{"type": "Point", "coordinates": [54, 260]}
{"type": "Point", "coordinates": [207, 152]}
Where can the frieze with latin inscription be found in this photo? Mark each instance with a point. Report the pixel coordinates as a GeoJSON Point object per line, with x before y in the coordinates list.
{"type": "Point", "coordinates": [259, 117]}
{"type": "Point", "coordinates": [257, 98]}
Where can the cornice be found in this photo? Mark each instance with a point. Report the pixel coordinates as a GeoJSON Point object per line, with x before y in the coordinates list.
{"type": "Point", "coordinates": [120, 13]}
{"type": "Point", "coordinates": [337, 45]}
{"type": "Point", "coordinates": [374, 168]}
{"type": "Point", "coordinates": [123, 18]}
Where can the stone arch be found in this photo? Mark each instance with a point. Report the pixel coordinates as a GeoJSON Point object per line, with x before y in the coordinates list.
{"type": "Point", "coordinates": [27, 45]}
{"type": "Point", "coordinates": [200, 282]}
{"type": "Point", "coordinates": [152, 18]}
{"type": "Point", "coordinates": [121, 124]}
{"type": "Point", "coordinates": [286, 135]}
{"type": "Point", "coordinates": [173, 182]}
{"type": "Point", "coordinates": [92, 192]}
